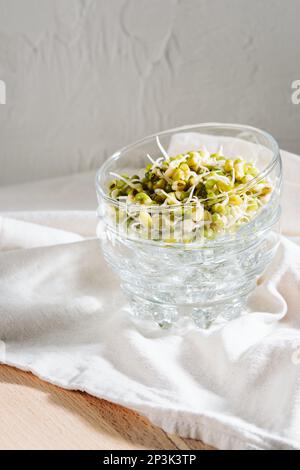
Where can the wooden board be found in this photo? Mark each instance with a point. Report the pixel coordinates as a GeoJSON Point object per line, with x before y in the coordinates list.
{"type": "Point", "coordinates": [37, 415]}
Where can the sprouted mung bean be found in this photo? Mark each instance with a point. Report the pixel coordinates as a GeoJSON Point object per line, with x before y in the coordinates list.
{"type": "Point", "coordinates": [185, 197]}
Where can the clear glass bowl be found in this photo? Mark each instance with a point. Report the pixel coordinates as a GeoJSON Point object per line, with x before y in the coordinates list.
{"type": "Point", "coordinates": [167, 276]}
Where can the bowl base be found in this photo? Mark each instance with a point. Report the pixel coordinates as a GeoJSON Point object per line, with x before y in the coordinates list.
{"type": "Point", "coordinates": [203, 316]}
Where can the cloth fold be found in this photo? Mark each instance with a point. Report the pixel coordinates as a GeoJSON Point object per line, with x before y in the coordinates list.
{"type": "Point", "coordinates": [63, 317]}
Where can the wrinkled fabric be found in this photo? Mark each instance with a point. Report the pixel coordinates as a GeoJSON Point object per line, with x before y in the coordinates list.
{"type": "Point", "coordinates": [63, 317]}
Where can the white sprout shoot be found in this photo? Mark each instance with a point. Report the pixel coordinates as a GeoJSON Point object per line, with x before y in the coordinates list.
{"type": "Point", "coordinates": [191, 194]}
{"type": "Point", "coordinates": [221, 178]}
{"type": "Point", "coordinates": [155, 163]}
{"type": "Point", "coordinates": [168, 196]}
{"type": "Point", "coordinates": [175, 163]}
{"type": "Point", "coordinates": [163, 151]}
{"type": "Point", "coordinates": [165, 177]}
{"type": "Point", "coordinates": [221, 151]}
{"type": "Point", "coordinates": [226, 199]}
{"type": "Point", "coordinates": [233, 176]}
{"type": "Point", "coordinates": [205, 151]}
{"type": "Point", "coordinates": [116, 175]}
{"type": "Point", "coordinates": [151, 159]}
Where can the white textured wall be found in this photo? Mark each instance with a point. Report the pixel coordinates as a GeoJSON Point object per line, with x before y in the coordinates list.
{"type": "Point", "coordinates": [85, 77]}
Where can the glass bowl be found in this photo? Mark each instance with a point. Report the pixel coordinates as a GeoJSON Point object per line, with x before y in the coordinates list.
{"type": "Point", "coordinates": [170, 273]}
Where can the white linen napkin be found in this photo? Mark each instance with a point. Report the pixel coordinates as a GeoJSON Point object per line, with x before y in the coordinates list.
{"type": "Point", "coordinates": [63, 317]}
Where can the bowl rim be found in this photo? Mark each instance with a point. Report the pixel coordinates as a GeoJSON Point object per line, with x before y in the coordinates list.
{"type": "Point", "coordinates": [103, 194]}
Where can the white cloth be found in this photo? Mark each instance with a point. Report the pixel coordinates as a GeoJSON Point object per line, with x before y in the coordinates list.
{"type": "Point", "coordinates": [63, 317]}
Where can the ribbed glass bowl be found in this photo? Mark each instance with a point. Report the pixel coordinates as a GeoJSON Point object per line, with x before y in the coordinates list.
{"type": "Point", "coordinates": [206, 280]}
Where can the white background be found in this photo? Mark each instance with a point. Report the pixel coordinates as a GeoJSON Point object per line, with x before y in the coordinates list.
{"type": "Point", "coordinates": [85, 77]}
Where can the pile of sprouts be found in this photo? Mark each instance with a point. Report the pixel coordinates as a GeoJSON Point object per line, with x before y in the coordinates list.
{"type": "Point", "coordinates": [181, 198]}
